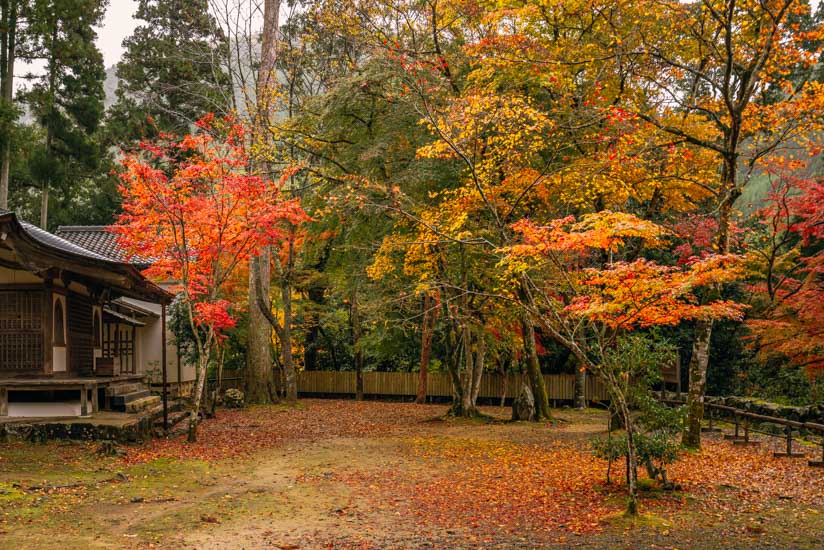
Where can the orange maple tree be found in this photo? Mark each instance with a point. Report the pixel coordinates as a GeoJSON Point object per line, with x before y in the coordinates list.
{"type": "Point", "coordinates": [585, 300]}
{"type": "Point", "coordinates": [192, 207]}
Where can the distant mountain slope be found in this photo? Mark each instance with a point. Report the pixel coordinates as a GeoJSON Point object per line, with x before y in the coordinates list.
{"type": "Point", "coordinates": [110, 86]}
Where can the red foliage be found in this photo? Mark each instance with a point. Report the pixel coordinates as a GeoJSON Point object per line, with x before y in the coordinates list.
{"type": "Point", "coordinates": [790, 258]}
{"type": "Point", "coordinates": [193, 208]}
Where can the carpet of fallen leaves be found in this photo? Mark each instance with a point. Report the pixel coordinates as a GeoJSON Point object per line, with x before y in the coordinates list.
{"type": "Point", "coordinates": [480, 484]}
{"type": "Point", "coordinates": [495, 487]}
{"type": "Point", "coordinates": [751, 475]}
{"type": "Point", "coordinates": [240, 433]}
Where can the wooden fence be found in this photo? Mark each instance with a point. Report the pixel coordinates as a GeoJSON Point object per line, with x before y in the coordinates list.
{"type": "Point", "coordinates": [493, 386]}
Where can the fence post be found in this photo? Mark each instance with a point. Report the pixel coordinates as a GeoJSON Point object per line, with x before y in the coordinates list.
{"type": "Point", "coordinates": [746, 440]}
{"type": "Point", "coordinates": [819, 463]}
{"type": "Point", "coordinates": [734, 437]}
{"type": "Point", "coordinates": [789, 452]}
{"type": "Point", "coordinates": [711, 428]}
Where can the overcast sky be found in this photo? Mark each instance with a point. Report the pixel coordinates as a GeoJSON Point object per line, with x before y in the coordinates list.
{"type": "Point", "coordinates": [117, 25]}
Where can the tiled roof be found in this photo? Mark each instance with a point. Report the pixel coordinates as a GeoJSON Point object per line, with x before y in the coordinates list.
{"type": "Point", "coordinates": [64, 244]}
{"type": "Point", "coordinates": [54, 241]}
{"type": "Point", "coordinates": [98, 239]}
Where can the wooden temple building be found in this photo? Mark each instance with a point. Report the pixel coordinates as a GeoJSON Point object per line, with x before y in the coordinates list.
{"type": "Point", "coordinates": [79, 324]}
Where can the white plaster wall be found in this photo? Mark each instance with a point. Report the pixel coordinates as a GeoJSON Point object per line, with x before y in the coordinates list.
{"type": "Point", "coordinates": [150, 353]}
{"type": "Point", "coordinates": [59, 352]}
{"type": "Point", "coordinates": [59, 359]}
{"type": "Point", "coordinates": [41, 410]}
{"type": "Point", "coordinates": [148, 346]}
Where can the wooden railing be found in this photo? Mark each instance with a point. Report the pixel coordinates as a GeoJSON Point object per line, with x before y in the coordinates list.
{"type": "Point", "coordinates": [743, 424]}
{"type": "Point", "coordinates": [559, 386]}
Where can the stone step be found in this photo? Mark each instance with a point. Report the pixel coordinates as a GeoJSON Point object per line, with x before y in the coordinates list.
{"type": "Point", "coordinates": [174, 418]}
{"type": "Point", "coordinates": [119, 401]}
{"type": "Point", "coordinates": [142, 404]}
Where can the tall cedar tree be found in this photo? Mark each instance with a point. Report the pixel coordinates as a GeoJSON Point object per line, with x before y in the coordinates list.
{"type": "Point", "coordinates": [172, 71]}
{"type": "Point", "coordinates": [67, 98]}
{"type": "Point", "coordinates": [9, 36]}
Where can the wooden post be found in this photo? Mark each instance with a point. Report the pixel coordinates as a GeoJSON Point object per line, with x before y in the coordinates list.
{"type": "Point", "coordinates": [84, 401]}
{"type": "Point", "coordinates": [735, 436]}
{"type": "Point", "coordinates": [746, 441]}
{"type": "Point", "coordinates": [163, 369]}
{"type": "Point", "coordinates": [678, 374]}
{"type": "Point", "coordinates": [819, 463]}
{"type": "Point", "coordinates": [179, 374]}
{"type": "Point", "coordinates": [711, 428]}
{"type": "Point", "coordinates": [95, 404]}
{"type": "Point", "coordinates": [789, 452]}
{"type": "Point", "coordinates": [4, 402]}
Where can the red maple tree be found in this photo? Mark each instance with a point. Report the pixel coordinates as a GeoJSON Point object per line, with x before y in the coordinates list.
{"type": "Point", "coordinates": [194, 208]}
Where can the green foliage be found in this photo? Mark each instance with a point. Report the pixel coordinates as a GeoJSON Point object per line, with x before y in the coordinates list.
{"type": "Point", "coordinates": [60, 151]}
{"type": "Point", "coordinates": [171, 73]}
{"type": "Point", "coordinates": [638, 357]}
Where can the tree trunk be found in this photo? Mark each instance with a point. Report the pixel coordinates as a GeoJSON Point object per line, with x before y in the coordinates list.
{"type": "Point", "coordinates": [478, 366]}
{"type": "Point", "coordinates": [356, 345]}
{"type": "Point", "coordinates": [474, 355]}
{"type": "Point", "coordinates": [579, 392]}
{"type": "Point", "coordinates": [197, 397]}
{"type": "Point", "coordinates": [427, 326]}
{"type": "Point", "coordinates": [467, 406]}
{"type": "Point", "coordinates": [697, 384]}
{"type": "Point", "coordinates": [533, 367]}
{"type": "Point", "coordinates": [455, 346]}
{"type": "Point", "coordinates": [286, 343]}
{"type": "Point", "coordinates": [7, 58]}
{"type": "Point", "coordinates": [260, 376]}
{"type": "Point", "coordinates": [632, 459]}
{"type": "Point", "coordinates": [44, 205]}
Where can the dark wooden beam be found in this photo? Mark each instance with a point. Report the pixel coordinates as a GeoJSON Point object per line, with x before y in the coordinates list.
{"type": "Point", "coordinates": [163, 370]}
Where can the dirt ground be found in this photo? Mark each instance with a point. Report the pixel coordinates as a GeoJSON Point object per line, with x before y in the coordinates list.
{"type": "Point", "coordinates": [341, 474]}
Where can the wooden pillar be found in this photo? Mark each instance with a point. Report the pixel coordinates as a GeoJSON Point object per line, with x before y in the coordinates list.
{"type": "Point", "coordinates": [163, 369]}
{"type": "Point", "coordinates": [4, 402]}
{"type": "Point", "coordinates": [179, 372]}
{"type": "Point", "coordinates": [95, 404]}
{"type": "Point", "coordinates": [84, 401]}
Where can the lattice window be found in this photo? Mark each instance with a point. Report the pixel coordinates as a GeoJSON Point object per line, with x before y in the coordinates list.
{"type": "Point", "coordinates": [80, 325]}
{"type": "Point", "coordinates": [21, 330]}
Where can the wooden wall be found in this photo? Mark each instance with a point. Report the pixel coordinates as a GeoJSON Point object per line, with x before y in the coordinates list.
{"type": "Point", "coordinates": [493, 385]}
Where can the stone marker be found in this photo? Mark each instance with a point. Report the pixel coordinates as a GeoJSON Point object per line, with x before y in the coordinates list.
{"type": "Point", "coordinates": [523, 408]}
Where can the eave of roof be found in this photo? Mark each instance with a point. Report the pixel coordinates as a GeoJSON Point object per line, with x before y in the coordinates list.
{"type": "Point", "coordinates": [60, 248]}
{"type": "Point", "coordinates": [122, 317]}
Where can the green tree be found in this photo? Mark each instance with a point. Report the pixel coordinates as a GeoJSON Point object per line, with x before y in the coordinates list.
{"type": "Point", "coordinates": [172, 71]}
{"type": "Point", "coordinates": [67, 98]}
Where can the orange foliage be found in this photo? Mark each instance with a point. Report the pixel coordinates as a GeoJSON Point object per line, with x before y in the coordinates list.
{"type": "Point", "coordinates": [192, 207]}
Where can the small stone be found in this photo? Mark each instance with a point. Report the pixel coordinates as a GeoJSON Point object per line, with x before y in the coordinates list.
{"type": "Point", "coordinates": [234, 399]}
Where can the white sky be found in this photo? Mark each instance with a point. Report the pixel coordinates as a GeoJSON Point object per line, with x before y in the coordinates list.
{"type": "Point", "coordinates": [117, 25]}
